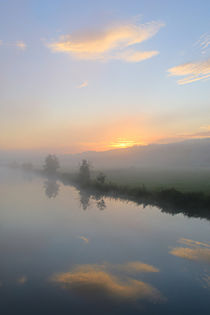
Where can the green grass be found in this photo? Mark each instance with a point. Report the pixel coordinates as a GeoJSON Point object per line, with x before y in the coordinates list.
{"type": "Point", "coordinates": [190, 180]}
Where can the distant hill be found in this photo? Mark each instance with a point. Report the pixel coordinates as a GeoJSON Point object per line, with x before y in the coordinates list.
{"type": "Point", "coordinates": [189, 153]}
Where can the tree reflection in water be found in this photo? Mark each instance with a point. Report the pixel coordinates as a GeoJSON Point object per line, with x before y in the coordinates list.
{"type": "Point", "coordinates": [51, 187]}
{"type": "Point", "coordinates": [86, 197]}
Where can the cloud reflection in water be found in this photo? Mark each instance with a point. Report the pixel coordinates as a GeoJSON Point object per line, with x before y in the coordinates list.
{"type": "Point", "coordinates": [193, 250]}
{"type": "Point", "coordinates": [109, 281]}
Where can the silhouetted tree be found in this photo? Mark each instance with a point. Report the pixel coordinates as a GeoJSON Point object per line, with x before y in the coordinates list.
{"type": "Point", "coordinates": [101, 178]}
{"type": "Point", "coordinates": [51, 164]}
{"type": "Point", "coordinates": [84, 172]}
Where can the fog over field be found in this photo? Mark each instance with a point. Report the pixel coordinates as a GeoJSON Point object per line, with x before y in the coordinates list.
{"type": "Point", "coordinates": [183, 165]}
{"type": "Point", "coordinates": [187, 154]}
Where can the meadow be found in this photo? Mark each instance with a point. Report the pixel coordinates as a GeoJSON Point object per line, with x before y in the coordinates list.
{"type": "Point", "coordinates": [184, 180]}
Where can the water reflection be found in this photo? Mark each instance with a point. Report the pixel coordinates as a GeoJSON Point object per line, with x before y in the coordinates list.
{"type": "Point", "coordinates": [198, 252]}
{"type": "Point", "coordinates": [35, 246]}
{"type": "Point", "coordinates": [21, 280]}
{"type": "Point", "coordinates": [206, 282]}
{"type": "Point", "coordinates": [86, 197]}
{"type": "Point", "coordinates": [101, 205]}
{"type": "Point", "coordinates": [192, 250]}
{"type": "Point", "coordinates": [106, 281]}
{"type": "Point", "coordinates": [85, 239]}
{"type": "Point", "coordinates": [51, 187]}
{"type": "Point", "coordinates": [191, 204]}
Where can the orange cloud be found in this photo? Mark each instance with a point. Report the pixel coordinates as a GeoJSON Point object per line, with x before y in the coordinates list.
{"type": "Point", "coordinates": [192, 71]}
{"type": "Point", "coordinates": [135, 56]}
{"type": "Point", "coordinates": [21, 45]}
{"type": "Point", "coordinates": [100, 45]}
{"type": "Point", "coordinates": [82, 85]}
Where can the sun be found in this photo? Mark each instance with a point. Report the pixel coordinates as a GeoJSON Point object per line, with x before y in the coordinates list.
{"type": "Point", "coordinates": [124, 143]}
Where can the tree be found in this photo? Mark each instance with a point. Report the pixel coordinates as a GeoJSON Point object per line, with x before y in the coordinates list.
{"type": "Point", "coordinates": [101, 178]}
{"type": "Point", "coordinates": [51, 164]}
{"type": "Point", "coordinates": [84, 172]}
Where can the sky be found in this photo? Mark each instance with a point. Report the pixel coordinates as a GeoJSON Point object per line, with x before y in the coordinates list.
{"type": "Point", "coordinates": [97, 75]}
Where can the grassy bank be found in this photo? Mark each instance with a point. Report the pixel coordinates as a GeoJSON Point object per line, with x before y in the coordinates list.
{"type": "Point", "coordinates": [170, 200]}
{"type": "Point", "coordinates": [184, 180]}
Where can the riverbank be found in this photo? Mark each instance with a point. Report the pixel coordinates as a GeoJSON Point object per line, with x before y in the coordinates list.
{"type": "Point", "coordinates": [192, 204]}
{"type": "Point", "coordinates": [170, 200]}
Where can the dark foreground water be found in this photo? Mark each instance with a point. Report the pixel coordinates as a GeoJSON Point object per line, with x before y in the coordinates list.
{"type": "Point", "coordinates": [62, 252]}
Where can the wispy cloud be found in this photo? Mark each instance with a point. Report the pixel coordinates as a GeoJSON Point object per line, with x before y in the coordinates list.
{"type": "Point", "coordinates": [135, 56]}
{"type": "Point", "coordinates": [204, 43]}
{"type": "Point", "coordinates": [21, 45]}
{"type": "Point", "coordinates": [109, 43]}
{"type": "Point", "coordinates": [82, 85]}
{"type": "Point", "coordinates": [191, 71]}
{"type": "Point", "coordinates": [18, 44]}
{"type": "Point", "coordinates": [198, 70]}
{"type": "Point", "coordinates": [186, 136]}
{"type": "Point", "coordinates": [196, 135]}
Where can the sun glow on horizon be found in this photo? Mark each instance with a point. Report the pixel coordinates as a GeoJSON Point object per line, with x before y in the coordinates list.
{"type": "Point", "coordinates": [123, 143]}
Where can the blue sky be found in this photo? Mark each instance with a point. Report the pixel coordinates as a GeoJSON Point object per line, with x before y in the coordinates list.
{"type": "Point", "coordinates": [106, 94]}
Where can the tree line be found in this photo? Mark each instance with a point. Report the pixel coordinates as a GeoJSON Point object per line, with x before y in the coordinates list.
{"type": "Point", "coordinates": [51, 166]}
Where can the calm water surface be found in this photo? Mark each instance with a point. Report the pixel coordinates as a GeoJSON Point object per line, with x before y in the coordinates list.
{"type": "Point", "coordinates": [63, 252]}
